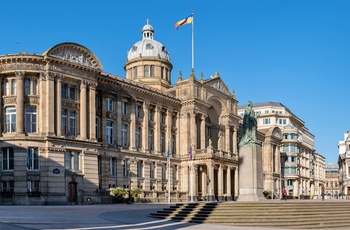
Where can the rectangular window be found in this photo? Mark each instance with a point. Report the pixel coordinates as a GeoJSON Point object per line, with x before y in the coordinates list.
{"type": "Point", "coordinates": [151, 115]}
{"type": "Point", "coordinates": [73, 92]}
{"type": "Point", "coordinates": [124, 107]}
{"type": "Point", "coordinates": [135, 72]}
{"type": "Point", "coordinates": [173, 145]}
{"type": "Point", "coordinates": [138, 137]}
{"type": "Point", "coordinates": [33, 159]}
{"type": "Point", "coordinates": [72, 123]}
{"type": "Point", "coordinates": [7, 159]}
{"type": "Point", "coordinates": [138, 111]}
{"type": "Point", "coordinates": [33, 186]}
{"type": "Point", "coordinates": [109, 105]}
{"type": "Point", "coordinates": [162, 73]}
{"type": "Point", "coordinates": [64, 122]}
{"type": "Point", "coordinates": [27, 87]}
{"type": "Point", "coordinates": [173, 121]}
{"type": "Point", "coordinates": [150, 139]}
{"type": "Point", "coordinates": [126, 168]}
{"type": "Point", "coordinates": [11, 119]}
{"type": "Point", "coordinates": [7, 88]}
{"type": "Point", "coordinates": [8, 186]}
{"type": "Point", "coordinates": [162, 142]}
{"type": "Point", "coordinates": [266, 121]}
{"type": "Point", "coordinates": [72, 161]}
{"type": "Point", "coordinates": [140, 169]}
{"type": "Point", "coordinates": [13, 88]}
{"type": "Point", "coordinates": [125, 135]}
{"type": "Point", "coordinates": [109, 132]}
{"type": "Point", "coordinates": [146, 70]}
{"type": "Point", "coordinates": [290, 182]}
{"type": "Point", "coordinates": [98, 129]}
{"type": "Point", "coordinates": [164, 172]}
{"type": "Point", "coordinates": [64, 90]}
{"type": "Point", "coordinates": [30, 119]}
{"type": "Point", "coordinates": [113, 166]}
{"type": "Point", "coordinates": [162, 118]}
{"type": "Point", "coordinates": [152, 70]}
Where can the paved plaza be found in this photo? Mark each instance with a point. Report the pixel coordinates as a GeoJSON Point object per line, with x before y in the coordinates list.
{"type": "Point", "coordinates": [91, 217]}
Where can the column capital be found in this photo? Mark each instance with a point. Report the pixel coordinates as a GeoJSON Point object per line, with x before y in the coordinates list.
{"type": "Point", "coordinates": [20, 75]}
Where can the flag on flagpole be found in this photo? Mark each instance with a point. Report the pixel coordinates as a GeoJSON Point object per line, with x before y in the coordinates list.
{"type": "Point", "coordinates": [168, 153]}
{"type": "Point", "coordinates": [191, 153]}
{"type": "Point", "coordinates": [188, 20]}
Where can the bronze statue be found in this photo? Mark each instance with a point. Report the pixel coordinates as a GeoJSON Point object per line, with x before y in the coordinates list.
{"type": "Point", "coordinates": [249, 127]}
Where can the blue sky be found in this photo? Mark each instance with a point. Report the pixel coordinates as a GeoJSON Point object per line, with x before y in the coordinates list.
{"type": "Point", "coordinates": [294, 52]}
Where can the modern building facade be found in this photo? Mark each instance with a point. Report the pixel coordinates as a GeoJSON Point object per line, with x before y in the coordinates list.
{"type": "Point", "coordinates": [291, 162]}
{"type": "Point", "coordinates": [70, 132]}
{"type": "Point", "coordinates": [344, 165]}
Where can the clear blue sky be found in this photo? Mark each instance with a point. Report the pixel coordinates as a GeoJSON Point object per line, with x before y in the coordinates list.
{"type": "Point", "coordinates": [294, 52]}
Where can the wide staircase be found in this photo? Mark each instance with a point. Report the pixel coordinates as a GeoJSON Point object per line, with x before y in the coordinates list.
{"type": "Point", "coordinates": [278, 214]}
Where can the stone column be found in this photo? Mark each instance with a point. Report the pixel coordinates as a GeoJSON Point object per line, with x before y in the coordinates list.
{"type": "Point", "coordinates": [227, 138]}
{"type": "Point", "coordinates": [234, 140]}
{"type": "Point", "coordinates": [236, 182]}
{"type": "Point", "coordinates": [59, 106]}
{"type": "Point", "coordinates": [203, 132]}
{"type": "Point", "coordinates": [83, 123]}
{"type": "Point", "coordinates": [228, 183]}
{"type": "Point", "coordinates": [145, 127]}
{"type": "Point", "coordinates": [192, 132]}
{"type": "Point", "coordinates": [178, 134]}
{"type": "Point", "coordinates": [168, 131]}
{"type": "Point", "coordinates": [211, 195]}
{"type": "Point", "coordinates": [204, 182]}
{"type": "Point", "coordinates": [132, 127]}
{"type": "Point", "coordinates": [20, 102]}
{"type": "Point", "coordinates": [157, 124]}
{"type": "Point", "coordinates": [92, 111]}
{"type": "Point", "coordinates": [49, 106]}
{"type": "Point", "coordinates": [221, 182]}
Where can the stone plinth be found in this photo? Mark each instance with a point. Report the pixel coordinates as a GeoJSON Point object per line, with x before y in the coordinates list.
{"type": "Point", "coordinates": [250, 173]}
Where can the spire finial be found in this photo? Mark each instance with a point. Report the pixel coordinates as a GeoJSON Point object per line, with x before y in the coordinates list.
{"type": "Point", "coordinates": [147, 21]}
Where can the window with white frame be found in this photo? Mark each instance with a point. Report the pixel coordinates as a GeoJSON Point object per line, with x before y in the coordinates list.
{"type": "Point", "coordinates": [266, 121]}
{"type": "Point", "coordinates": [27, 86]}
{"type": "Point", "coordinates": [140, 169]}
{"type": "Point", "coordinates": [72, 124]}
{"type": "Point", "coordinates": [109, 132]}
{"type": "Point", "coordinates": [109, 104]}
{"type": "Point", "coordinates": [64, 122]}
{"type": "Point", "coordinates": [13, 87]}
{"type": "Point", "coordinates": [10, 119]}
{"type": "Point", "coordinates": [7, 159]}
{"type": "Point", "coordinates": [33, 186]}
{"type": "Point", "coordinates": [124, 108]}
{"type": "Point", "coordinates": [113, 166]}
{"type": "Point", "coordinates": [30, 119]}
{"type": "Point", "coordinates": [125, 135]}
{"type": "Point", "coordinates": [138, 137]}
{"type": "Point", "coordinates": [33, 161]}
{"type": "Point", "coordinates": [72, 161]}
{"type": "Point", "coordinates": [146, 70]}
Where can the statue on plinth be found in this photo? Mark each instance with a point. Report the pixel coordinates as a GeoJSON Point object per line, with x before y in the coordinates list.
{"type": "Point", "coordinates": [249, 127]}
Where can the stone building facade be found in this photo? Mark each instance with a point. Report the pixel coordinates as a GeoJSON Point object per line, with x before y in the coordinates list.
{"type": "Point", "coordinates": [290, 160]}
{"type": "Point", "coordinates": [344, 165]}
{"type": "Point", "coordinates": [69, 131]}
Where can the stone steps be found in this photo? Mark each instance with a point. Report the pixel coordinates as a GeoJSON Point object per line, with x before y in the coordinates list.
{"type": "Point", "coordinates": [263, 214]}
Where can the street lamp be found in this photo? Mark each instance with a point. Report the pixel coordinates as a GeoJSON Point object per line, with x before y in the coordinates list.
{"type": "Point", "coordinates": [126, 163]}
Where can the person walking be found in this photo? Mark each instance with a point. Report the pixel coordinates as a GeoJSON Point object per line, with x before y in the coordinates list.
{"type": "Point", "coordinates": [284, 194]}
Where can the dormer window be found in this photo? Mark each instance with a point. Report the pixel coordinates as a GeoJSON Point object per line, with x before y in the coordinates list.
{"type": "Point", "coordinates": [149, 46]}
{"type": "Point", "coordinates": [134, 48]}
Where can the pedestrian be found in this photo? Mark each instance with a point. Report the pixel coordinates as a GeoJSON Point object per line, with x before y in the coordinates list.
{"type": "Point", "coordinates": [284, 194]}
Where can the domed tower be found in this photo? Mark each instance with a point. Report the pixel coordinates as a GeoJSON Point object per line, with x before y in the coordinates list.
{"type": "Point", "coordinates": [148, 61]}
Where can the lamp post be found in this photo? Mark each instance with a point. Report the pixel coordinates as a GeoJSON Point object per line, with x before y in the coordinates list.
{"type": "Point", "coordinates": [126, 163]}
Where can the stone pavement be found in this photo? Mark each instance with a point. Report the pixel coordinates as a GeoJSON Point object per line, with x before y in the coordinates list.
{"type": "Point", "coordinates": [91, 217]}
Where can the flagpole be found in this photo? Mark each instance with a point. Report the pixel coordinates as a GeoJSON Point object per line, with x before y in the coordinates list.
{"type": "Point", "coordinates": [169, 179]}
{"type": "Point", "coordinates": [192, 39]}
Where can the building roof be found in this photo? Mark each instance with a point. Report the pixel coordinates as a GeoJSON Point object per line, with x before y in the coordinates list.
{"type": "Point", "coordinates": [148, 47]}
